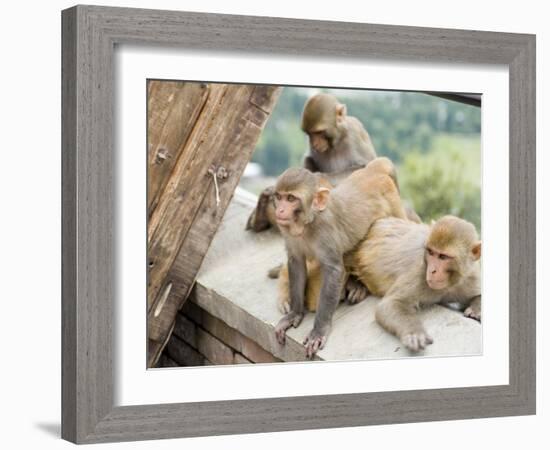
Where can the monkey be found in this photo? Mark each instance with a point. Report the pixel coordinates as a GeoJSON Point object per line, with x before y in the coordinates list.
{"type": "Point", "coordinates": [354, 290]}
{"type": "Point", "coordinates": [313, 287]}
{"type": "Point", "coordinates": [339, 144]}
{"type": "Point", "coordinates": [312, 290]}
{"type": "Point", "coordinates": [322, 224]}
{"type": "Point", "coordinates": [391, 237]}
{"type": "Point", "coordinates": [413, 265]}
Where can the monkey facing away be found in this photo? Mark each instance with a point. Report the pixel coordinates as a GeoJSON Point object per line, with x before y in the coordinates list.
{"type": "Point", "coordinates": [322, 224]}
{"type": "Point", "coordinates": [413, 265]}
{"type": "Point", "coordinates": [339, 144]}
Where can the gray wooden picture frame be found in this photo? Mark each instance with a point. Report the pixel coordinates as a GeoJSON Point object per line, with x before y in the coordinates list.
{"type": "Point", "coordinates": [89, 35]}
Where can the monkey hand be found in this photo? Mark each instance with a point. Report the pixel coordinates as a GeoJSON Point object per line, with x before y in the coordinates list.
{"type": "Point", "coordinates": [292, 319]}
{"type": "Point", "coordinates": [473, 312]}
{"type": "Point", "coordinates": [315, 341]}
{"type": "Point", "coordinates": [259, 218]}
{"type": "Point", "coordinates": [355, 291]}
{"type": "Point", "coordinates": [416, 340]}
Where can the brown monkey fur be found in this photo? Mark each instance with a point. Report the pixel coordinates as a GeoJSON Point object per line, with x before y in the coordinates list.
{"type": "Point", "coordinates": [346, 147]}
{"type": "Point", "coordinates": [322, 224]}
{"type": "Point", "coordinates": [394, 264]}
{"type": "Point", "coordinates": [313, 287]}
{"type": "Point", "coordinates": [354, 290]}
{"type": "Point", "coordinates": [338, 142]}
{"type": "Point", "coordinates": [339, 145]}
{"type": "Point", "coordinates": [413, 265]}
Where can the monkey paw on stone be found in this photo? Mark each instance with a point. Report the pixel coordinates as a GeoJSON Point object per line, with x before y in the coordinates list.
{"type": "Point", "coordinates": [314, 341]}
{"type": "Point", "coordinates": [473, 313]}
{"type": "Point", "coordinates": [417, 340]}
{"type": "Point", "coordinates": [292, 319]}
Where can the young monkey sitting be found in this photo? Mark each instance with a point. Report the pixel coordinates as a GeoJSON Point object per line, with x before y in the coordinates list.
{"type": "Point", "coordinates": [322, 224]}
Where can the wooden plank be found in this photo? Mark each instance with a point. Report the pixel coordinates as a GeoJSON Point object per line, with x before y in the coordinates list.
{"type": "Point", "coordinates": [188, 212]}
{"type": "Point", "coordinates": [172, 111]}
{"type": "Point", "coordinates": [171, 219]}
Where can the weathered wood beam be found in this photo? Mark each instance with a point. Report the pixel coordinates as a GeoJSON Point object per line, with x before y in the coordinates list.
{"type": "Point", "coordinates": [189, 211]}
{"type": "Point", "coordinates": [173, 108]}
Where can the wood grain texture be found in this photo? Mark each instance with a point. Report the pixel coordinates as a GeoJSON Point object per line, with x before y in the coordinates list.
{"type": "Point", "coordinates": [172, 108]}
{"type": "Point", "coordinates": [522, 191]}
{"type": "Point", "coordinates": [222, 134]}
{"type": "Point", "coordinates": [171, 219]}
{"type": "Point", "coordinates": [68, 225]}
{"type": "Point", "coordinates": [89, 213]}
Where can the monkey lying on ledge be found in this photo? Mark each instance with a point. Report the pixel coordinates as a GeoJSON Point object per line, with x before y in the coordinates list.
{"type": "Point", "coordinates": [322, 224]}
{"type": "Point", "coordinates": [409, 266]}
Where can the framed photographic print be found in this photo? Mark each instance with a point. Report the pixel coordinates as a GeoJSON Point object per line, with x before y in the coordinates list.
{"type": "Point", "coordinates": [202, 150]}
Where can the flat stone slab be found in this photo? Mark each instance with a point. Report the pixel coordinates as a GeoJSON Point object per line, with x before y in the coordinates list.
{"type": "Point", "coordinates": [233, 286]}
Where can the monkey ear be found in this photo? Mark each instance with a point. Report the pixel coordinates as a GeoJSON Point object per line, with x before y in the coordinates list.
{"type": "Point", "coordinates": [476, 251]}
{"type": "Point", "coordinates": [320, 199]}
{"type": "Point", "coordinates": [341, 111]}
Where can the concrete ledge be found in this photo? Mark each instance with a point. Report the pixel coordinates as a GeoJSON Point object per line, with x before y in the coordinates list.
{"type": "Point", "coordinates": [233, 286]}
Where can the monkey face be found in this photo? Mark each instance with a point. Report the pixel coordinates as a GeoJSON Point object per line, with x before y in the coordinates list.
{"type": "Point", "coordinates": [451, 251]}
{"type": "Point", "coordinates": [286, 203]}
{"type": "Point", "coordinates": [319, 141]}
{"type": "Point", "coordinates": [439, 268]}
{"type": "Point", "coordinates": [287, 208]}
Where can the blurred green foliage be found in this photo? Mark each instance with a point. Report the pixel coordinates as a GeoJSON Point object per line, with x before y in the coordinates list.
{"type": "Point", "coordinates": [434, 142]}
{"type": "Point", "coordinates": [446, 180]}
{"type": "Point", "coordinates": [282, 143]}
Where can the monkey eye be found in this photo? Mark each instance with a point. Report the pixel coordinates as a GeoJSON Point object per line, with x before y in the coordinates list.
{"type": "Point", "coordinates": [321, 134]}
{"type": "Point", "coordinates": [291, 198]}
{"type": "Point", "coordinates": [277, 196]}
{"type": "Point", "coordinates": [430, 251]}
{"type": "Point", "coordinates": [443, 257]}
